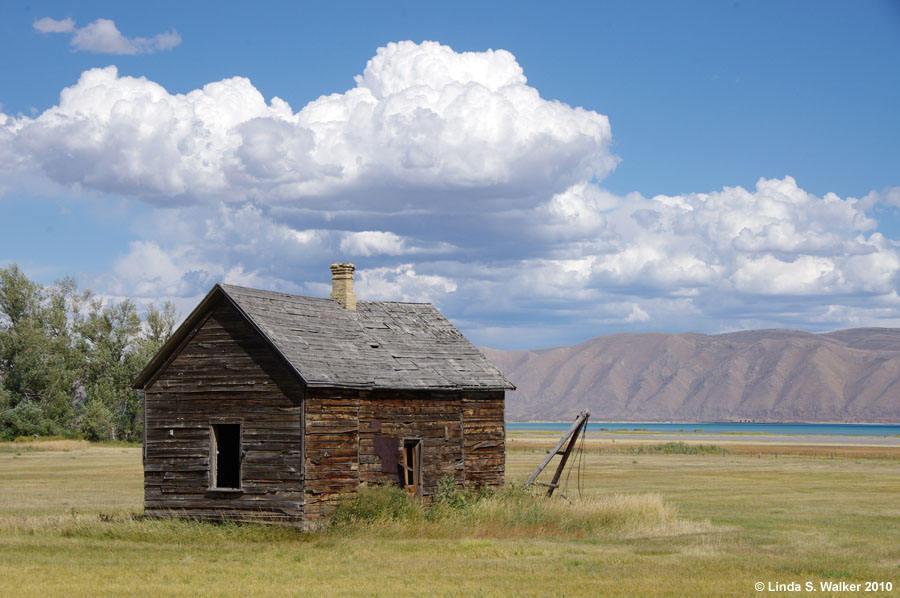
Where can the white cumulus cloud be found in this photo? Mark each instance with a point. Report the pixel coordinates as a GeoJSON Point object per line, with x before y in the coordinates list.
{"type": "Point", "coordinates": [776, 239]}
{"type": "Point", "coordinates": [889, 196]}
{"type": "Point", "coordinates": [369, 242]}
{"type": "Point", "coordinates": [423, 124]}
{"type": "Point", "coordinates": [103, 37]}
{"type": "Point", "coordinates": [445, 177]}
{"type": "Point", "coordinates": [49, 25]}
{"type": "Point", "coordinates": [708, 262]}
{"type": "Point", "coordinates": [637, 315]}
{"type": "Point", "coordinates": [402, 283]}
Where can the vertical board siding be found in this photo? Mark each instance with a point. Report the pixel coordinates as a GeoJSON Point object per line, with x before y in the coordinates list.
{"type": "Point", "coordinates": [224, 372]}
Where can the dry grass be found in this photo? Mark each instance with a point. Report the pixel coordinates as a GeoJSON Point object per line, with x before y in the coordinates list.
{"type": "Point", "coordinates": [88, 480]}
{"type": "Point", "coordinates": [130, 526]}
{"type": "Point", "coordinates": [513, 512]}
{"type": "Point", "coordinates": [609, 516]}
{"type": "Point", "coordinates": [54, 444]}
{"type": "Point", "coordinates": [66, 530]}
{"type": "Point", "coordinates": [773, 449]}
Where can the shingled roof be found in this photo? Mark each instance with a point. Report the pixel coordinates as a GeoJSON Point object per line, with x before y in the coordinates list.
{"type": "Point", "coordinates": [380, 345]}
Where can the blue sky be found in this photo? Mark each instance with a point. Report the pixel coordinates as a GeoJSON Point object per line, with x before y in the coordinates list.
{"type": "Point", "coordinates": [617, 167]}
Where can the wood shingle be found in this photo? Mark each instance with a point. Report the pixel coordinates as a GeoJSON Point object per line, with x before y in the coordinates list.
{"type": "Point", "coordinates": [380, 345]}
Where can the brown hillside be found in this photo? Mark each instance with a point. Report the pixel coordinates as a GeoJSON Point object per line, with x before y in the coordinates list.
{"type": "Point", "coordinates": [760, 375]}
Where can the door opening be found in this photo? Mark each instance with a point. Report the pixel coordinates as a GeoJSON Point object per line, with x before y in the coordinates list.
{"type": "Point", "coordinates": [225, 453]}
{"type": "Point", "coordinates": [411, 467]}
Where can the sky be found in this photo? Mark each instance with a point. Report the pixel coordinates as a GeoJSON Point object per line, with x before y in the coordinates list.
{"type": "Point", "coordinates": [542, 173]}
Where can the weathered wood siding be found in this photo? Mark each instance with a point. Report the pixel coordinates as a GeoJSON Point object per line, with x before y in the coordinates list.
{"type": "Point", "coordinates": [224, 372]}
{"type": "Point", "coordinates": [484, 431]}
{"type": "Point", "coordinates": [432, 417]}
{"type": "Point", "coordinates": [462, 437]}
{"type": "Point", "coordinates": [332, 449]}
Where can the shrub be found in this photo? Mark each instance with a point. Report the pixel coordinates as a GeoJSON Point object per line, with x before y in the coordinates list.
{"type": "Point", "coordinates": [451, 495]}
{"type": "Point", "coordinates": [98, 423]}
{"type": "Point", "coordinates": [25, 419]}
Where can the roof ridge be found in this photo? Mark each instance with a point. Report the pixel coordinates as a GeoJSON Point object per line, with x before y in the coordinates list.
{"type": "Point", "coordinates": [269, 291]}
{"type": "Point", "coordinates": [382, 346]}
{"type": "Point", "coordinates": [397, 302]}
{"type": "Point", "coordinates": [225, 285]}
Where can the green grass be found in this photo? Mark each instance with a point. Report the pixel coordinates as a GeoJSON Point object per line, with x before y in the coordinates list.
{"type": "Point", "coordinates": [723, 523]}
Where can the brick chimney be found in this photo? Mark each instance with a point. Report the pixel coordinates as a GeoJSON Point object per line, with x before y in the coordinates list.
{"type": "Point", "coordinates": [342, 284]}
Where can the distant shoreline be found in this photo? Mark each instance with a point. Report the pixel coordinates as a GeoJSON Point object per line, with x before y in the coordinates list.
{"type": "Point", "coordinates": [719, 431]}
{"type": "Point", "coordinates": [698, 423]}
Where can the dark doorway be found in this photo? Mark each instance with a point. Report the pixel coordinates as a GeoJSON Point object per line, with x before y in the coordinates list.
{"type": "Point", "coordinates": [411, 467]}
{"type": "Point", "coordinates": [226, 455]}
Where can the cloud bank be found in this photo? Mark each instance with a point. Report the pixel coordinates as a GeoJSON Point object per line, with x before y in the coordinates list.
{"type": "Point", "coordinates": [421, 118]}
{"type": "Point", "coordinates": [445, 177]}
{"type": "Point", "coordinates": [103, 37]}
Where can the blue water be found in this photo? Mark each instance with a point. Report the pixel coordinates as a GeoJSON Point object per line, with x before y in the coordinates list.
{"type": "Point", "coordinates": [724, 428]}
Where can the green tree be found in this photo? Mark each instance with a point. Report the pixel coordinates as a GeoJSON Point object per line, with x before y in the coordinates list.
{"type": "Point", "coordinates": [19, 297]}
{"type": "Point", "coordinates": [67, 360]}
{"type": "Point", "coordinates": [35, 358]}
{"type": "Point", "coordinates": [106, 337]}
{"type": "Point", "coordinates": [158, 327]}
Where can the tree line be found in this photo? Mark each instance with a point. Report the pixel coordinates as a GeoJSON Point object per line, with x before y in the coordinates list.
{"type": "Point", "coordinates": [67, 359]}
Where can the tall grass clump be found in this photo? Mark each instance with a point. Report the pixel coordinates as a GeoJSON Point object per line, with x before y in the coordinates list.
{"type": "Point", "coordinates": [520, 509]}
{"type": "Point", "coordinates": [682, 448]}
{"type": "Point", "coordinates": [676, 448]}
{"type": "Point", "coordinates": [513, 511]}
{"type": "Point", "coordinates": [377, 504]}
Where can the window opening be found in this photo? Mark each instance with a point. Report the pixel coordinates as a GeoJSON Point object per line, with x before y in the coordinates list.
{"type": "Point", "coordinates": [225, 454]}
{"type": "Point", "coordinates": [411, 467]}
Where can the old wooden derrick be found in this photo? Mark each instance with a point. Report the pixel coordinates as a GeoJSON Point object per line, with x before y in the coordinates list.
{"type": "Point", "coordinates": [269, 406]}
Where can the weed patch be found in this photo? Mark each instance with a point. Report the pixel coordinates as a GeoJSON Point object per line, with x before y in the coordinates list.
{"type": "Point", "coordinates": [514, 511]}
{"type": "Point", "coordinates": [676, 448]}
{"type": "Point", "coordinates": [377, 504]}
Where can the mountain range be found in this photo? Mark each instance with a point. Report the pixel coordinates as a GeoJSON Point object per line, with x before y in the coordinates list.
{"type": "Point", "coordinates": [755, 375]}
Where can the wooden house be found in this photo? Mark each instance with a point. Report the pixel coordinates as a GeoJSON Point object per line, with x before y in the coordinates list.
{"type": "Point", "coordinates": [272, 406]}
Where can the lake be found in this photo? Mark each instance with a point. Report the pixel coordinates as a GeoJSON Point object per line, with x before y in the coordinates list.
{"type": "Point", "coordinates": [793, 429]}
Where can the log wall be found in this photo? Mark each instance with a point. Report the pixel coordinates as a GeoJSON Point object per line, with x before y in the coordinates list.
{"type": "Point", "coordinates": [224, 373]}
{"type": "Point", "coordinates": [462, 438]}
{"type": "Point", "coordinates": [332, 450]}
{"type": "Point", "coordinates": [433, 418]}
{"type": "Point", "coordinates": [484, 430]}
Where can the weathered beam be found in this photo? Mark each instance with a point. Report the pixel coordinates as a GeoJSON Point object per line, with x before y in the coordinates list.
{"type": "Point", "coordinates": [576, 425]}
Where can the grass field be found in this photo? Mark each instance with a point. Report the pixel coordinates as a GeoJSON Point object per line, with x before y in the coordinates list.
{"type": "Point", "coordinates": [66, 530]}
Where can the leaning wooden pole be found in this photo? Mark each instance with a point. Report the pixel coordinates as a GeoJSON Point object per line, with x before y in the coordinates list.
{"type": "Point", "coordinates": [571, 435]}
